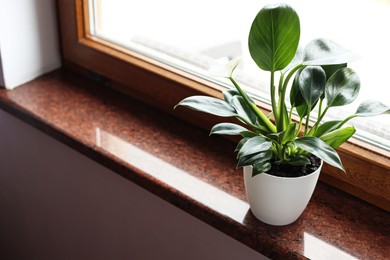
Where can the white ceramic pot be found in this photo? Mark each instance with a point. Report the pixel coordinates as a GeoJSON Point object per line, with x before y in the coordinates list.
{"type": "Point", "coordinates": [277, 200]}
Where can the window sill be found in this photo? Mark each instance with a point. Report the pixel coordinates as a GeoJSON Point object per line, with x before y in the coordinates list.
{"type": "Point", "coordinates": [185, 167]}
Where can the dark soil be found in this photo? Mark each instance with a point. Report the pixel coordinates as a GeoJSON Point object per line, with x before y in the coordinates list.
{"type": "Point", "coordinates": [286, 170]}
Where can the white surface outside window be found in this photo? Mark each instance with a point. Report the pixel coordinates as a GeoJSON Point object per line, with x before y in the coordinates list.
{"type": "Point", "coordinates": [194, 35]}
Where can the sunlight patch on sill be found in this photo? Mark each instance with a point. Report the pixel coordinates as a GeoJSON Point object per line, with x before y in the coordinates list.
{"type": "Point", "coordinates": [180, 180]}
{"type": "Point", "coordinates": [315, 248]}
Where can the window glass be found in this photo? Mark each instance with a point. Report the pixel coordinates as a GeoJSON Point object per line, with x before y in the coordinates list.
{"type": "Point", "coordinates": [194, 35]}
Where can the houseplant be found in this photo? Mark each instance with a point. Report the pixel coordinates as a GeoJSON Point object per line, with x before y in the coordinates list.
{"type": "Point", "coordinates": [284, 157]}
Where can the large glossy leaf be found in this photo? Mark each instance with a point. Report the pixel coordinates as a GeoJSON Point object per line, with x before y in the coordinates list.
{"type": "Point", "coordinates": [228, 94]}
{"type": "Point", "coordinates": [254, 158]}
{"type": "Point", "coordinates": [241, 143]}
{"type": "Point", "coordinates": [208, 105]}
{"type": "Point", "coordinates": [254, 145]}
{"type": "Point", "coordinates": [260, 168]}
{"type": "Point", "coordinates": [331, 69]}
{"type": "Point", "coordinates": [342, 88]}
{"type": "Point", "coordinates": [312, 84]}
{"type": "Point", "coordinates": [243, 109]}
{"type": "Point", "coordinates": [337, 137]}
{"type": "Point", "coordinates": [296, 98]}
{"type": "Point", "coordinates": [320, 149]}
{"type": "Point", "coordinates": [372, 108]}
{"type": "Point", "coordinates": [248, 134]}
{"type": "Point", "coordinates": [327, 127]}
{"type": "Point", "coordinates": [274, 37]}
{"type": "Point", "coordinates": [227, 129]}
{"type": "Point", "coordinates": [303, 109]}
{"type": "Point", "coordinates": [326, 52]}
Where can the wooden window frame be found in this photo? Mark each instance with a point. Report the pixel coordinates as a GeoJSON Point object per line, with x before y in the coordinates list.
{"type": "Point", "coordinates": [367, 166]}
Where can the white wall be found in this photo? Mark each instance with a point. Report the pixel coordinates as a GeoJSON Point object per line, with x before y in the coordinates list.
{"type": "Point", "coordinates": [28, 40]}
{"type": "Point", "coordinates": [57, 204]}
{"type": "Point", "coordinates": [1, 71]}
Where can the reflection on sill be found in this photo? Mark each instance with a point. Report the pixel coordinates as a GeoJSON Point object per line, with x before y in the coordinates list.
{"type": "Point", "coordinates": [315, 248]}
{"type": "Point", "coordinates": [180, 180]}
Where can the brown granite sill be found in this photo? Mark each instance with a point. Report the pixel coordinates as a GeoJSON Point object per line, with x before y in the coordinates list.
{"type": "Point", "coordinates": [192, 171]}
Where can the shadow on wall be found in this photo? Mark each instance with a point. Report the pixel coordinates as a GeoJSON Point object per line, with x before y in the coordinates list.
{"type": "Point", "coordinates": [57, 204]}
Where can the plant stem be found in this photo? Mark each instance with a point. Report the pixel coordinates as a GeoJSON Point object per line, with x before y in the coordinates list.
{"type": "Point", "coordinates": [263, 118]}
{"type": "Point", "coordinates": [281, 123]}
{"type": "Point", "coordinates": [279, 152]}
{"type": "Point", "coordinates": [319, 120]}
{"type": "Point", "coordinates": [307, 120]}
{"type": "Point", "coordinates": [289, 75]}
{"type": "Point", "coordinates": [319, 115]}
{"type": "Point", "coordinates": [299, 127]}
{"type": "Point", "coordinates": [345, 121]}
{"type": "Point", "coordinates": [282, 97]}
{"type": "Point", "coordinates": [281, 79]}
{"type": "Point", "coordinates": [320, 108]}
{"type": "Point", "coordinates": [290, 113]}
{"type": "Point", "coordinates": [273, 99]}
{"type": "Point", "coordinates": [260, 128]}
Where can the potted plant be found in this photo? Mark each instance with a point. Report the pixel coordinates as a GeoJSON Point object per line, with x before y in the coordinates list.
{"type": "Point", "coordinates": [282, 158]}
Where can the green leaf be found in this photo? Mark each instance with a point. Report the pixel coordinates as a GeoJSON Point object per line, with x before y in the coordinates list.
{"type": "Point", "coordinates": [248, 134]}
{"type": "Point", "coordinates": [372, 108]}
{"type": "Point", "coordinates": [331, 69]}
{"type": "Point", "coordinates": [320, 149]}
{"type": "Point", "coordinates": [327, 127]}
{"type": "Point", "coordinates": [288, 134]}
{"type": "Point", "coordinates": [227, 129]}
{"type": "Point", "coordinates": [298, 160]}
{"type": "Point", "coordinates": [254, 158]}
{"type": "Point", "coordinates": [260, 168]}
{"type": "Point", "coordinates": [254, 145]}
{"type": "Point", "coordinates": [275, 136]}
{"type": "Point", "coordinates": [342, 88]}
{"type": "Point", "coordinates": [338, 137]}
{"type": "Point", "coordinates": [302, 110]}
{"type": "Point", "coordinates": [243, 109]}
{"type": "Point", "coordinates": [208, 105]}
{"type": "Point", "coordinates": [228, 94]}
{"type": "Point", "coordinates": [241, 143]}
{"type": "Point", "coordinates": [274, 37]}
{"type": "Point", "coordinates": [311, 83]}
{"type": "Point", "coordinates": [326, 52]}
{"type": "Point", "coordinates": [296, 98]}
